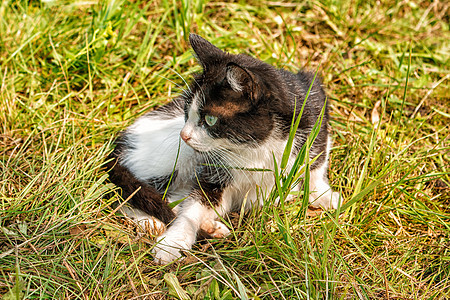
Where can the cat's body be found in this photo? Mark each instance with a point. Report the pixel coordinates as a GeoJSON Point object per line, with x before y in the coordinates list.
{"type": "Point", "coordinates": [236, 115]}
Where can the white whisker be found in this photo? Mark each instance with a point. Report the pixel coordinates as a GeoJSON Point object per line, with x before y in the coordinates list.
{"type": "Point", "coordinates": [179, 75]}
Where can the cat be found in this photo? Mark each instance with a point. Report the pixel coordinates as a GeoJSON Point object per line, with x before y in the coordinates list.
{"type": "Point", "coordinates": [235, 116]}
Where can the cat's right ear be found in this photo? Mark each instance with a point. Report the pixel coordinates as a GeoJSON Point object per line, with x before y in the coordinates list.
{"type": "Point", "coordinates": [205, 52]}
{"type": "Point", "coordinates": [242, 80]}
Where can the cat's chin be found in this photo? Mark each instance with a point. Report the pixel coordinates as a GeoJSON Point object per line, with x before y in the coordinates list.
{"type": "Point", "coordinates": [198, 148]}
{"type": "Point", "coordinates": [201, 150]}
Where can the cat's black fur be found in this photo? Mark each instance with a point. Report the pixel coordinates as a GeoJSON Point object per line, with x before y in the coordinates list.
{"type": "Point", "coordinates": [144, 195]}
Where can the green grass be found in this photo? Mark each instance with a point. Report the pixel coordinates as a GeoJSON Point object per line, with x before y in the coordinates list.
{"type": "Point", "coordinates": [75, 73]}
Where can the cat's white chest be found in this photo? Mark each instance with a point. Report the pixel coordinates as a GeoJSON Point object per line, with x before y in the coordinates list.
{"type": "Point", "coordinates": [254, 178]}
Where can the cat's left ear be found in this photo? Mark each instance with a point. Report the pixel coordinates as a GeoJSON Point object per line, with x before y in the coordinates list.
{"type": "Point", "coordinates": [242, 80]}
{"type": "Point", "coordinates": [205, 52]}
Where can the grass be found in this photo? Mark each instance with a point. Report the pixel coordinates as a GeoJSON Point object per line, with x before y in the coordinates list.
{"type": "Point", "coordinates": [75, 73]}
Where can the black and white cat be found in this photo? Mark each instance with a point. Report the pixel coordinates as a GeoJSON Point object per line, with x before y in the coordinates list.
{"type": "Point", "coordinates": [235, 116]}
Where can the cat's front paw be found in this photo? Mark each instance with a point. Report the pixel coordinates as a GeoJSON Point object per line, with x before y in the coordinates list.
{"type": "Point", "coordinates": [328, 200]}
{"type": "Point", "coordinates": [146, 223]}
{"type": "Point", "coordinates": [215, 229]}
{"type": "Point", "coordinates": [167, 250]}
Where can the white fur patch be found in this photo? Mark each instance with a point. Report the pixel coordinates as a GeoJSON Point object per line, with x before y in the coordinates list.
{"type": "Point", "coordinates": [154, 148]}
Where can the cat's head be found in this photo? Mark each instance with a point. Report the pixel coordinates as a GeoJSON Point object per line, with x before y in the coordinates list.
{"type": "Point", "coordinates": [231, 104]}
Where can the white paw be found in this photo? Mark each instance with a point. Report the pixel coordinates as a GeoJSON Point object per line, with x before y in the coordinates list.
{"type": "Point", "coordinates": [152, 225]}
{"type": "Point", "coordinates": [147, 223]}
{"type": "Point", "coordinates": [327, 200]}
{"type": "Point", "coordinates": [215, 229]}
{"type": "Point", "coordinates": [167, 250]}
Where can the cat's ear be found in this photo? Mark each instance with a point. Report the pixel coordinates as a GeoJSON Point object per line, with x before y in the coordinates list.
{"type": "Point", "coordinates": [205, 52]}
{"type": "Point", "coordinates": [242, 80]}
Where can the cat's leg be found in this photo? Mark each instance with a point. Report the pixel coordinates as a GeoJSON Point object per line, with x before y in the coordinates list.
{"type": "Point", "coordinates": [321, 194]}
{"type": "Point", "coordinates": [182, 233]}
{"type": "Point", "coordinates": [141, 195]}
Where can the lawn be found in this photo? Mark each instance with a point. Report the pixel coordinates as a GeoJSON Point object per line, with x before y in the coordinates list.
{"type": "Point", "coordinates": [73, 74]}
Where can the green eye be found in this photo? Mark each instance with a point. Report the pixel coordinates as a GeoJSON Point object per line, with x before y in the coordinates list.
{"type": "Point", "coordinates": [210, 120]}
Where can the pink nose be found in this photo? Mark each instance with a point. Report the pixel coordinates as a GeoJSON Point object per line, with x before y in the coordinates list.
{"type": "Point", "coordinates": [186, 137]}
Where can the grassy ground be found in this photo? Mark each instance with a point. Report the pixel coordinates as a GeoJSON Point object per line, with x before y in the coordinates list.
{"type": "Point", "coordinates": [73, 74]}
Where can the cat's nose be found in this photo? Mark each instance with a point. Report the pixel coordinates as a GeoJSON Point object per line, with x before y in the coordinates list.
{"type": "Point", "coordinates": [185, 136]}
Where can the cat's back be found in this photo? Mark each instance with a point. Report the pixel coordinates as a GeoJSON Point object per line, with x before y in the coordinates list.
{"type": "Point", "coordinates": [299, 83]}
{"type": "Point", "coordinates": [296, 86]}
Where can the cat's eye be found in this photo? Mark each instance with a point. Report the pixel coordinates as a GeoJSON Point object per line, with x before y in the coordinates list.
{"type": "Point", "coordinates": [210, 120]}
